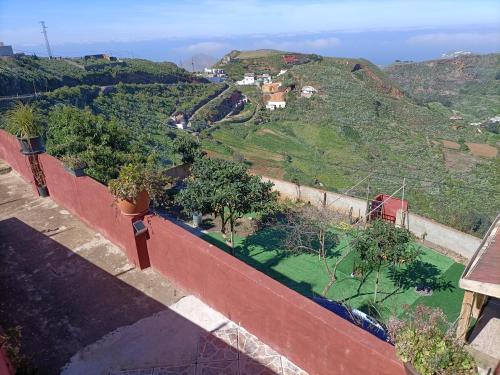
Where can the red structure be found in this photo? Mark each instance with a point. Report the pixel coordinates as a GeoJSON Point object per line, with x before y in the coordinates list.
{"type": "Point", "coordinates": [290, 59]}
{"type": "Point", "coordinates": [309, 335]}
{"type": "Point", "coordinates": [386, 207]}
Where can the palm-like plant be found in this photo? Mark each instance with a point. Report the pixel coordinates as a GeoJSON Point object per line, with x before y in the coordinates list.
{"type": "Point", "coordinates": [23, 121]}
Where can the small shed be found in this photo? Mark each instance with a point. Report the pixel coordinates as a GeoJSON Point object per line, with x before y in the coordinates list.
{"type": "Point", "coordinates": [386, 207]}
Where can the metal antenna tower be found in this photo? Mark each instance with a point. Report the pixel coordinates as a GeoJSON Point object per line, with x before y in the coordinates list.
{"type": "Point", "coordinates": [44, 32]}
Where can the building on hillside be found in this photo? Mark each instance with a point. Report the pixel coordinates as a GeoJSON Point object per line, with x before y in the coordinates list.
{"type": "Point", "coordinates": [270, 88]}
{"type": "Point", "coordinates": [214, 71]}
{"type": "Point", "coordinates": [215, 75]}
{"type": "Point", "coordinates": [282, 71]}
{"type": "Point", "coordinates": [481, 282]}
{"type": "Point", "coordinates": [248, 79]}
{"type": "Point", "coordinates": [6, 51]}
{"type": "Point", "coordinates": [290, 59]}
{"type": "Point", "coordinates": [275, 100]}
{"type": "Point", "coordinates": [179, 120]}
{"type": "Point", "coordinates": [263, 79]}
{"type": "Point", "coordinates": [456, 117]}
{"type": "Point", "coordinates": [100, 56]}
{"type": "Point", "coordinates": [308, 91]}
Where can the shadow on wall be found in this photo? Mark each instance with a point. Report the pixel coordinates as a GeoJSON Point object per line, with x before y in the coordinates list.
{"type": "Point", "coordinates": [64, 303]}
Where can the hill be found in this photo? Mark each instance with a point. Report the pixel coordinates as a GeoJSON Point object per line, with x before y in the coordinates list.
{"type": "Point", "coordinates": [261, 61]}
{"type": "Point", "coordinates": [24, 75]}
{"type": "Point", "coordinates": [469, 84]}
{"type": "Point", "coordinates": [361, 123]}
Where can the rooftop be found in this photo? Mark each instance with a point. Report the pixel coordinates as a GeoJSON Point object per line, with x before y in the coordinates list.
{"type": "Point", "coordinates": [482, 275]}
{"type": "Point", "coordinates": [81, 304]}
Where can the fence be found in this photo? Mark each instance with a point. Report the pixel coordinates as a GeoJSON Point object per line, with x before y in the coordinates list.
{"type": "Point", "coordinates": [438, 234]}
{"type": "Point", "coordinates": [309, 335]}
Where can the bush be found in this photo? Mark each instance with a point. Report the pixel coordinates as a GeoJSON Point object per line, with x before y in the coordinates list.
{"type": "Point", "coordinates": [427, 341]}
{"type": "Point", "coordinates": [24, 121]}
{"type": "Point", "coordinates": [134, 178]}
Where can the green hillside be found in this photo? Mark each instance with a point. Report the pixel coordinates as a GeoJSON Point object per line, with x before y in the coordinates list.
{"type": "Point", "coordinates": [23, 75]}
{"type": "Point", "coordinates": [359, 123]}
{"type": "Point", "coordinates": [469, 84]}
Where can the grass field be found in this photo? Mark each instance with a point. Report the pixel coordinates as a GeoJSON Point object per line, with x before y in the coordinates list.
{"type": "Point", "coordinates": [305, 274]}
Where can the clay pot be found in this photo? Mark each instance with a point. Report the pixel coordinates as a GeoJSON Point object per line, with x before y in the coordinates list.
{"type": "Point", "coordinates": [140, 206]}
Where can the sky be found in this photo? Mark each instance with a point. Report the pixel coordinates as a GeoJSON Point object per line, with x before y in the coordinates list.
{"type": "Point", "coordinates": [380, 30]}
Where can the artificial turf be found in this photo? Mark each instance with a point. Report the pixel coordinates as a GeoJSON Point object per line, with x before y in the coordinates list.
{"type": "Point", "coordinates": [305, 274]}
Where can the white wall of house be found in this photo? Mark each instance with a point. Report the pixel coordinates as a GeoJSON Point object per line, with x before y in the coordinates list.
{"type": "Point", "coordinates": [273, 105]}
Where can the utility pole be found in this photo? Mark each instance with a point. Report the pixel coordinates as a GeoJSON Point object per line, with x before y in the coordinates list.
{"type": "Point", "coordinates": [44, 32]}
{"type": "Point", "coordinates": [192, 64]}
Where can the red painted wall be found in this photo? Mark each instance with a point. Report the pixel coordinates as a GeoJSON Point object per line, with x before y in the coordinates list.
{"type": "Point", "coordinates": [309, 335]}
{"type": "Point", "coordinates": [312, 337]}
{"type": "Point", "coordinates": [9, 152]}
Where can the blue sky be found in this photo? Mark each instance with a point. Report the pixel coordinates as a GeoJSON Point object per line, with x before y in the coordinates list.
{"type": "Point", "coordinates": [382, 30]}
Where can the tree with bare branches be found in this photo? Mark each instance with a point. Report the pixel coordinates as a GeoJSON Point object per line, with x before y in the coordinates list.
{"type": "Point", "coordinates": [309, 229]}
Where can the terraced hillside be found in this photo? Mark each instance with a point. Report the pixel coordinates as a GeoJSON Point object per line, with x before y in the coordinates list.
{"type": "Point", "coordinates": [27, 74]}
{"type": "Point", "coordinates": [360, 123]}
{"type": "Point", "coordinates": [469, 84]}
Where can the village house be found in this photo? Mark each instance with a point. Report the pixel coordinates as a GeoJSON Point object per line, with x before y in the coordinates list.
{"type": "Point", "coordinates": [179, 120]}
{"type": "Point", "coordinates": [263, 79]}
{"type": "Point", "coordinates": [307, 91]}
{"type": "Point", "coordinates": [269, 88]}
{"type": "Point", "coordinates": [248, 79]}
{"type": "Point", "coordinates": [275, 100]}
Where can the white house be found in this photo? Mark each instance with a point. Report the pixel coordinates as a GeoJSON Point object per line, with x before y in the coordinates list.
{"type": "Point", "coordinates": [275, 100]}
{"type": "Point", "coordinates": [308, 91]}
{"type": "Point", "coordinates": [179, 120]}
{"type": "Point", "coordinates": [248, 79]}
{"type": "Point", "coordinates": [264, 78]}
{"type": "Point", "coordinates": [282, 71]}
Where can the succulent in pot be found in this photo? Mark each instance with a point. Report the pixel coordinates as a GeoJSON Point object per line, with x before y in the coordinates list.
{"type": "Point", "coordinates": [425, 341]}
{"type": "Point", "coordinates": [23, 121]}
{"type": "Point", "coordinates": [136, 186]}
{"type": "Point", "coordinates": [74, 164]}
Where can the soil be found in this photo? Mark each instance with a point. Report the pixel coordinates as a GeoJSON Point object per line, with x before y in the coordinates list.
{"type": "Point", "coordinates": [482, 149]}
{"type": "Point", "coordinates": [458, 161]}
{"type": "Point", "coordinates": [450, 144]}
{"type": "Point", "coordinates": [244, 226]}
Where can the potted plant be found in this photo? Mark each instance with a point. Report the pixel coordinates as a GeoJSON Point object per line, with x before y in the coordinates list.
{"type": "Point", "coordinates": [74, 164]}
{"type": "Point", "coordinates": [425, 341]}
{"type": "Point", "coordinates": [23, 121]}
{"type": "Point", "coordinates": [136, 186]}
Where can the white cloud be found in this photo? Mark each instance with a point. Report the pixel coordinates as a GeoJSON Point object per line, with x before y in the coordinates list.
{"type": "Point", "coordinates": [474, 38]}
{"type": "Point", "coordinates": [204, 47]}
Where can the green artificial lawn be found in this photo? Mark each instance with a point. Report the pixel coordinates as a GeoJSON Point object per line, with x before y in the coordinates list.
{"type": "Point", "coordinates": [305, 274]}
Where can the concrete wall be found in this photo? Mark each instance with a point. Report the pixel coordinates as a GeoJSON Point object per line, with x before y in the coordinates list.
{"type": "Point", "coordinates": [438, 234]}
{"type": "Point", "coordinates": [312, 337]}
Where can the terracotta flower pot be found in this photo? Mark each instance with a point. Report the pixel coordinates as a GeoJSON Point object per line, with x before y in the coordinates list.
{"type": "Point", "coordinates": [410, 370]}
{"type": "Point", "coordinates": [140, 206]}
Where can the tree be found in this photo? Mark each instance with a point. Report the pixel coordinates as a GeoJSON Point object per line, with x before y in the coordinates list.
{"type": "Point", "coordinates": [382, 245]}
{"type": "Point", "coordinates": [103, 145]}
{"type": "Point", "coordinates": [309, 229]}
{"type": "Point", "coordinates": [226, 189]}
{"type": "Point", "coordinates": [188, 148]}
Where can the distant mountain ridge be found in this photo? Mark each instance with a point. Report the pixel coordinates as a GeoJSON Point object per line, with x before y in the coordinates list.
{"type": "Point", "coordinates": [466, 83]}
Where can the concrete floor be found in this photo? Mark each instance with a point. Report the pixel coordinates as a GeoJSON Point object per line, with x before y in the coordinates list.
{"type": "Point", "coordinates": [83, 307]}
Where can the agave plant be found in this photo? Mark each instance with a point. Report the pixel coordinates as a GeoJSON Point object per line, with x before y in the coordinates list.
{"type": "Point", "coordinates": [23, 121]}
